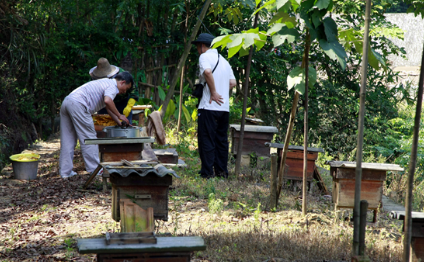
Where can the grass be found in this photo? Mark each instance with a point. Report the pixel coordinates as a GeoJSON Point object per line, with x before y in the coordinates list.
{"type": "Point", "coordinates": [232, 215]}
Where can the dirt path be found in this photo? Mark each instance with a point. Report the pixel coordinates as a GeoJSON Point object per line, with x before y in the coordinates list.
{"type": "Point", "coordinates": [40, 219]}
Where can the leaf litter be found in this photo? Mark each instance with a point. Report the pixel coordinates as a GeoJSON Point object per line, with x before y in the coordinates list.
{"type": "Point", "coordinates": [40, 220]}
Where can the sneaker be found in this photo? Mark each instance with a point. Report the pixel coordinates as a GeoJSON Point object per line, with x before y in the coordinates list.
{"type": "Point", "coordinates": [100, 173]}
{"type": "Point", "coordinates": [73, 173]}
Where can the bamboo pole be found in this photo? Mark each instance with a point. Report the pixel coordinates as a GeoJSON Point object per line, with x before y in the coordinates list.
{"type": "Point", "coordinates": [412, 165]}
{"type": "Point", "coordinates": [360, 139]}
{"type": "Point", "coordinates": [287, 141]}
{"type": "Point", "coordinates": [273, 187]}
{"type": "Point", "coordinates": [243, 116]}
{"type": "Point", "coordinates": [305, 124]}
{"type": "Point", "coordinates": [180, 108]}
{"type": "Point", "coordinates": [362, 226]}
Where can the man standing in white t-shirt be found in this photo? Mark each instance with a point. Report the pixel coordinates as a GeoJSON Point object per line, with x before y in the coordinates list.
{"type": "Point", "coordinates": [213, 109]}
{"type": "Point", "coordinates": [76, 121]}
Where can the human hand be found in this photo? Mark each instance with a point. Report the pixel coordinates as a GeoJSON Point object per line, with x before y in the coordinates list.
{"type": "Point", "coordinates": [124, 118]}
{"type": "Point", "coordinates": [217, 98]}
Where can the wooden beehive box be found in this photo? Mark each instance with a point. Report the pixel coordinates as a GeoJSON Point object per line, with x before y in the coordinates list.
{"type": "Point", "coordinates": [373, 177]}
{"type": "Point", "coordinates": [254, 139]}
{"type": "Point", "coordinates": [148, 191]}
{"type": "Point", "coordinates": [417, 236]}
{"type": "Point", "coordinates": [294, 160]}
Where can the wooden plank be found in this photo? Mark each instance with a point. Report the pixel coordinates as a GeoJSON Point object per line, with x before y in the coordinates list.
{"type": "Point", "coordinates": [135, 218]}
{"type": "Point", "coordinates": [110, 141]}
{"type": "Point", "coordinates": [136, 147]}
{"type": "Point", "coordinates": [164, 244]}
{"type": "Point", "coordinates": [116, 156]}
{"type": "Point", "coordinates": [141, 107]}
{"type": "Point", "coordinates": [297, 154]}
{"type": "Point", "coordinates": [321, 184]}
{"type": "Point", "coordinates": [291, 147]}
{"type": "Point", "coordinates": [266, 137]}
{"type": "Point", "coordinates": [416, 216]}
{"type": "Point", "coordinates": [158, 200]}
{"type": "Point", "coordinates": [372, 191]}
{"type": "Point", "coordinates": [251, 143]}
{"type": "Point", "coordinates": [417, 229]}
{"type": "Point", "coordinates": [169, 155]}
{"type": "Point", "coordinates": [367, 174]}
{"type": "Point", "coordinates": [145, 257]}
{"type": "Point", "coordinates": [255, 128]}
{"type": "Point", "coordinates": [417, 249]}
{"type": "Point", "coordinates": [135, 162]}
{"type": "Point", "coordinates": [137, 180]}
{"type": "Point", "coordinates": [375, 166]}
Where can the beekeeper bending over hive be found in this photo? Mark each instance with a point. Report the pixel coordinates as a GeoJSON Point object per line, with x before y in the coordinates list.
{"type": "Point", "coordinates": [76, 121]}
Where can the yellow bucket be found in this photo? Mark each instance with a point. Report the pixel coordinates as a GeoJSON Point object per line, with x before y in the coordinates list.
{"type": "Point", "coordinates": [25, 157]}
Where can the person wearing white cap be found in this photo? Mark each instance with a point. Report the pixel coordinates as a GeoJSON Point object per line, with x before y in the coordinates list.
{"type": "Point", "coordinates": [213, 109]}
{"type": "Point", "coordinates": [123, 102]}
{"type": "Point", "coordinates": [76, 121]}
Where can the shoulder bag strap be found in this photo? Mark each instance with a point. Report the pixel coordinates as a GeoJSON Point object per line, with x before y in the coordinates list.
{"type": "Point", "coordinates": [213, 69]}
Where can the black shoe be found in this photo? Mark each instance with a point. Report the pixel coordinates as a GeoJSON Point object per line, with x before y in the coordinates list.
{"type": "Point", "coordinates": [222, 175]}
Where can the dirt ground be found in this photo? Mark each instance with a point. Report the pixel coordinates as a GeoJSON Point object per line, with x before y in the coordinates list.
{"type": "Point", "coordinates": [41, 220]}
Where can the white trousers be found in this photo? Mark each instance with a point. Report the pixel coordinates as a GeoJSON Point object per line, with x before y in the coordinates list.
{"type": "Point", "coordinates": [76, 123]}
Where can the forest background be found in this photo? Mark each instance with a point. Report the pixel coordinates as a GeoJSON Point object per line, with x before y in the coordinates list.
{"type": "Point", "coordinates": [47, 48]}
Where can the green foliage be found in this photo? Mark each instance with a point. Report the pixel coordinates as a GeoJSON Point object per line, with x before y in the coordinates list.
{"type": "Point", "coordinates": [215, 205]}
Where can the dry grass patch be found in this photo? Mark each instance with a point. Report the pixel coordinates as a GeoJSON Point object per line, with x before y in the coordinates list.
{"type": "Point", "coordinates": [41, 220]}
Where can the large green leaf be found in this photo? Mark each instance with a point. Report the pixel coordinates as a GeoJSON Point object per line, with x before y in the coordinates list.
{"type": "Point", "coordinates": [186, 113]}
{"type": "Point", "coordinates": [281, 3]}
{"type": "Point", "coordinates": [236, 40]}
{"type": "Point", "coordinates": [233, 50]}
{"type": "Point", "coordinates": [221, 41]}
{"type": "Point", "coordinates": [295, 4]}
{"type": "Point", "coordinates": [379, 58]}
{"type": "Point", "coordinates": [267, 4]}
{"type": "Point", "coordinates": [262, 41]}
{"type": "Point", "coordinates": [316, 18]}
{"type": "Point", "coordinates": [243, 52]}
{"type": "Point", "coordinates": [283, 17]}
{"type": "Point", "coordinates": [162, 94]}
{"type": "Point", "coordinates": [284, 34]}
{"type": "Point", "coordinates": [330, 28]}
{"type": "Point", "coordinates": [275, 28]}
{"type": "Point", "coordinates": [249, 39]}
{"type": "Point", "coordinates": [170, 109]}
{"type": "Point", "coordinates": [335, 51]}
{"type": "Point", "coordinates": [296, 79]}
{"type": "Point", "coordinates": [322, 4]}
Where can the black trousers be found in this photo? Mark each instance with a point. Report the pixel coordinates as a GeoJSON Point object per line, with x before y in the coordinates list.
{"type": "Point", "coordinates": [213, 142]}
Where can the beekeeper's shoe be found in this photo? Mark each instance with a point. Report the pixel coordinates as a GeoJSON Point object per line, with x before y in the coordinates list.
{"type": "Point", "coordinates": [73, 173]}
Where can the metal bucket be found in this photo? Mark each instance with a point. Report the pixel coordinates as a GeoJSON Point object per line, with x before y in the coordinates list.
{"type": "Point", "coordinates": [25, 166]}
{"type": "Point", "coordinates": [129, 132]}
{"type": "Point", "coordinates": [25, 170]}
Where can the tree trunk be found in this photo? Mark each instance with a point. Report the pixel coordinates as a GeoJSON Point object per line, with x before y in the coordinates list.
{"type": "Point", "coordinates": [183, 59]}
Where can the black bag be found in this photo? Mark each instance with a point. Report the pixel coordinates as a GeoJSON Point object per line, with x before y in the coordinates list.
{"type": "Point", "coordinates": [198, 88]}
{"type": "Point", "coordinates": [198, 91]}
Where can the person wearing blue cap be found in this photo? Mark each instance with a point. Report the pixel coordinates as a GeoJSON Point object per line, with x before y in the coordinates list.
{"type": "Point", "coordinates": [214, 108]}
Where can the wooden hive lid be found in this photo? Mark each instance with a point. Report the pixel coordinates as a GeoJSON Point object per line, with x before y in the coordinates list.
{"type": "Point", "coordinates": [375, 166]}
{"type": "Point", "coordinates": [254, 128]}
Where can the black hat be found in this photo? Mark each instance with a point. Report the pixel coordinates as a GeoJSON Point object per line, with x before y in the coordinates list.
{"type": "Point", "coordinates": [204, 38]}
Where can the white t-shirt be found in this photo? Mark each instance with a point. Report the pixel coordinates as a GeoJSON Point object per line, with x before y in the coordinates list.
{"type": "Point", "coordinates": [92, 94]}
{"type": "Point", "coordinates": [222, 75]}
